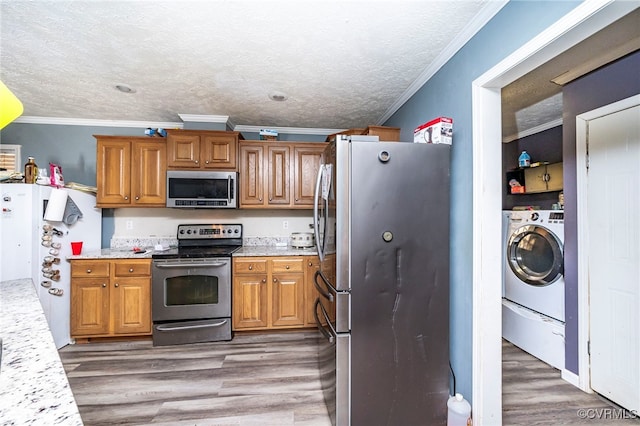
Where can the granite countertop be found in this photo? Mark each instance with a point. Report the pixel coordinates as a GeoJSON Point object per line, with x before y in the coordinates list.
{"type": "Point", "coordinates": [275, 251]}
{"type": "Point", "coordinates": [261, 250]}
{"type": "Point", "coordinates": [33, 385]}
{"type": "Point", "coordinates": [107, 253]}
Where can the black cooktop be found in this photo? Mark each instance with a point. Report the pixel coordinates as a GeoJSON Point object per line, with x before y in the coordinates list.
{"type": "Point", "coordinates": [203, 241]}
{"type": "Point", "coordinates": [195, 252]}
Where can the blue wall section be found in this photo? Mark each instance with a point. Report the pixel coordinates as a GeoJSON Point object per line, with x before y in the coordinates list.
{"type": "Point", "coordinates": [448, 93]}
{"type": "Point", "coordinates": [72, 147]}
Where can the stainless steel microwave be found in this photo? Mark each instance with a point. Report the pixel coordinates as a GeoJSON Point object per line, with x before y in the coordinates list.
{"type": "Point", "coordinates": [202, 189]}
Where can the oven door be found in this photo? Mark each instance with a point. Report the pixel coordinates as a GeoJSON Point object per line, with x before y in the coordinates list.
{"type": "Point", "coordinates": [191, 289]}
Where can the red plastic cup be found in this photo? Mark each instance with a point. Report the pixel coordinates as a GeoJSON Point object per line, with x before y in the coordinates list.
{"type": "Point", "coordinates": [76, 247]}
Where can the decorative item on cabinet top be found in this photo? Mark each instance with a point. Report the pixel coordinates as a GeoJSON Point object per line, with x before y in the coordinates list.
{"type": "Point", "coordinates": [390, 134]}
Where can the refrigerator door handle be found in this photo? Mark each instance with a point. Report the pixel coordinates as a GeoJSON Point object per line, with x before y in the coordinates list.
{"type": "Point", "coordinates": [316, 213]}
{"type": "Point", "coordinates": [323, 291]}
{"type": "Point", "coordinates": [330, 336]}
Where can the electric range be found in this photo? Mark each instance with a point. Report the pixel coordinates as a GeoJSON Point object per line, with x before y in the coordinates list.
{"type": "Point", "coordinates": [191, 285]}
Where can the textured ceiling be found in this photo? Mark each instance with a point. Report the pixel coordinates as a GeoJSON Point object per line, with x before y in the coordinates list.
{"type": "Point", "coordinates": [341, 64]}
{"type": "Point", "coordinates": [534, 100]}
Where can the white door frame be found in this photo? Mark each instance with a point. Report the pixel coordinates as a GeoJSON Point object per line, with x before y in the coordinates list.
{"type": "Point", "coordinates": [582, 121]}
{"type": "Point", "coordinates": [586, 19]}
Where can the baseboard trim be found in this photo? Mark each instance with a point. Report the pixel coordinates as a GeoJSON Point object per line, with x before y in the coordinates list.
{"type": "Point", "coordinates": [570, 377]}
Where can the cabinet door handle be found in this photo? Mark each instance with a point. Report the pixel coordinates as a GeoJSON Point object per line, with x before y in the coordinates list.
{"type": "Point", "coordinates": [88, 271]}
{"type": "Point", "coordinates": [131, 270]}
{"type": "Point", "coordinates": [310, 264]}
{"type": "Point", "coordinates": [137, 198]}
{"type": "Point", "coordinates": [287, 267]}
{"type": "Point", "coordinates": [196, 161]}
{"type": "Point", "coordinates": [206, 162]}
{"type": "Point", "coordinates": [260, 199]}
{"type": "Point", "coordinates": [116, 285]}
{"type": "Point", "coordinates": [250, 267]}
{"type": "Point", "coordinates": [264, 280]}
{"type": "Point", "coordinates": [126, 198]}
{"type": "Point", "coordinates": [104, 284]}
{"type": "Point", "coordinates": [275, 280]}
{"type": "Point", "coordinates": [270, 199]}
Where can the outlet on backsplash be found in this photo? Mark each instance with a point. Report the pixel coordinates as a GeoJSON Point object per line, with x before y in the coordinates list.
{"type": "Point", "coordinates": [285, 224]}
{"type": "Point", "coordinates": [129, 225]}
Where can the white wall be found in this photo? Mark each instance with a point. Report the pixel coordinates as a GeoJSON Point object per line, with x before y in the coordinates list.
{"type": "Point", "coordinates": [158, 222]}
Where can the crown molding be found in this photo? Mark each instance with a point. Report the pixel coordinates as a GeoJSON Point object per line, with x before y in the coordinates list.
{"type": "Point", "coordinates": [287, 130]}
{"type": "Point", "coordinates": [533, 130]}
{"type": "Point", "coordinates": [198, 118]}
{"type": "Point", "coordinates": [97, 123]}
{"type": "Point", "coordinates": [479, 21]}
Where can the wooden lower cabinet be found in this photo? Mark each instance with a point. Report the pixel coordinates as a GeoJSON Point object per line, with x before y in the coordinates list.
{"type": "Point", "coordinates": [269, 292]}
{"type": "Point", "coordinates": [312, 265]}
{"type": "Point", "coordinates": [110, 298]}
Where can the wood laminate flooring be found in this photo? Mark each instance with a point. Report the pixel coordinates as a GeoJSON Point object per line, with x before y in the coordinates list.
{"type": "Point", "coordinates": [533, 393]}
{"type": "Point", "coordinates": [269, 379]}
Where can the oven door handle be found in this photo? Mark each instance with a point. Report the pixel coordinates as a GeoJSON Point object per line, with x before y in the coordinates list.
{"type": "Point", "coordinates": [189, 264]}
{"type": "Point", "coordinates": [188, 327]}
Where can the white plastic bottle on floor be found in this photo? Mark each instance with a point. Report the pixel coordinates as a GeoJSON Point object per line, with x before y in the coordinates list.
{"type": "Point", "coordinates": [458, 411]}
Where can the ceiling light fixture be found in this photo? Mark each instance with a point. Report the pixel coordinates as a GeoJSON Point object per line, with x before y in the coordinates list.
{"type": "Point", "coordinates": [125, 88]}
{"type": "Point", "coordinates": [278, 97]}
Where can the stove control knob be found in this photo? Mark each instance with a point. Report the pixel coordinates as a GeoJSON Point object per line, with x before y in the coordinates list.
{"type": "Point", "coordinates": [182, 231]}
{"type": "Point", "coordinates": [236, 231]}
{"type": "Point", "coordinates": [534, 216]}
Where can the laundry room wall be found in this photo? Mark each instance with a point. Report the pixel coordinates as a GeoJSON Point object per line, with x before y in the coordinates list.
{"type": "Point", "coordinates": [611, 83]}
{"type": "Point", "coordinates": [542, 146]}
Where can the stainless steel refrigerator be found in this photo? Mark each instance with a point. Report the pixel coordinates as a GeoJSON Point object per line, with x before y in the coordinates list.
{"type": "Point", "coordinates": [382, 230]}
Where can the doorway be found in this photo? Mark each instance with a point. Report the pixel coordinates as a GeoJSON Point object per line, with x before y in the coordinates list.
{"type": "Point", "coordinates": [585, 20]}
{"type": "Point", "coordinates": [607, 154]}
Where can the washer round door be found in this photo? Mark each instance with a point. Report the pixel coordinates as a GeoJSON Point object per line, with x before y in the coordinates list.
{"type": "Point", "coordinates": [535, 255]}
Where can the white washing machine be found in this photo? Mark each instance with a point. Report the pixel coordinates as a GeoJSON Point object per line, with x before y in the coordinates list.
{"type": "Point", "coordinates": [506, 218]}
{"type": "Point", "coordinates": [533, 303]}
{"type": "Point", "coordinates": [534, 254]}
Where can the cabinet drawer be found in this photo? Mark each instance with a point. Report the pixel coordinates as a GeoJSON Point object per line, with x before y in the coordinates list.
{"type": "Point", "coordinates": [288, 264]}
{"type": "Point", "coordinates": [249, 265]}
{"type": "Point", "coordinates": [89, 268]}
{"type": "Point", "coordinates": [132, 268]}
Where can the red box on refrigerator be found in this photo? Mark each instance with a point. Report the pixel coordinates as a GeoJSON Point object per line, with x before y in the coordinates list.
{"type": "Point", "coordinates": [438, 130]}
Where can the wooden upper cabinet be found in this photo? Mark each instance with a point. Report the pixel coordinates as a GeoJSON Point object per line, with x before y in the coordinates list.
{"type": "Point", "coordinates": [113, 171]}
{"type": "Point", "coordinates": [220, 151]}
{"type": "Point", "coordinates": [307, 160]}
{"type": "Point", "coordinates": [278, 174]}
{"type": "Point", "coordinates": [148, 177]}
{"type": "Point", "coordinates": [131, 171]}
{"type": "Point", "coordinates": [251, 175]}
{"type": "Point", "coordinates": [183, 150]}
{"type": "Point", "coordinates": [202, 149]}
